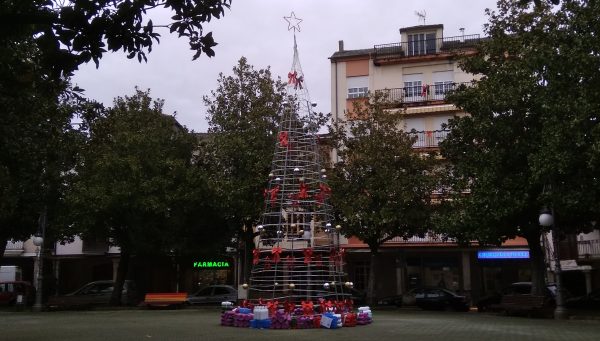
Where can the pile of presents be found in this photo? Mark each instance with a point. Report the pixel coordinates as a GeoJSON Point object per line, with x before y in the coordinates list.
{"type": "Point", "coordinates": [273, 315]}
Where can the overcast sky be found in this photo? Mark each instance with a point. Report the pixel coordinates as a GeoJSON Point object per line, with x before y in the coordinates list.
{"type": "Point", "coordinates": [256, 30]}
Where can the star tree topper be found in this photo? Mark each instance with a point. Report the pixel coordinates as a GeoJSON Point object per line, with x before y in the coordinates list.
{"type": "Point", "coordinates": [293, 22]}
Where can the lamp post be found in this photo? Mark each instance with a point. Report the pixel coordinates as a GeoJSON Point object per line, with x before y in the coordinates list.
{"type": "Point", "coordinates": [38, 240]}
{"type": "Point", "coordinates": [546, 219]}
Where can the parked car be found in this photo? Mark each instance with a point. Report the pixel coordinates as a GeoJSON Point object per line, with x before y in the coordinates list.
{"type": "Point", "coordinates": [10, 290]}
{"type": "Point", "coordinates": [213, 294]}
{"type": "Point", "coordinates": [440, 299]}
{"type": "Point", "coordinates": [395, 300]}
{"type": "Point", "coordinates": [518, 288]}
{"type": "Point", "coordinates": [409, 299]}
{"type": "Point", "coordinates": [590, 301]}
{"type": "Point", "coordinates": [94, 294]}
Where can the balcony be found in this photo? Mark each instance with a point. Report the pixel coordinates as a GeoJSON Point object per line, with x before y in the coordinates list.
{"type": "Point", "coordinates": [390, 53]}
{"type": "Point", "coordinates": [14, 248]}
{"type": "Point", "coordinates": [429, 138]}
{"type": "Point", "coordinates": [430, 238]}
{"type": "Point", "coordinates": [588, 249]}
{"type": "Point", "coordinates": [419, 95]}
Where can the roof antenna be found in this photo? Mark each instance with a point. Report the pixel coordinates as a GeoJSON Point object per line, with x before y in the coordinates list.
{"type": "Point", "coordinates": [421, 15]}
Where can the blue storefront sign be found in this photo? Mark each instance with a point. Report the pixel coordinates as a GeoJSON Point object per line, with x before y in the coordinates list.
{"type": "Point", "coordinates": [503, 254]}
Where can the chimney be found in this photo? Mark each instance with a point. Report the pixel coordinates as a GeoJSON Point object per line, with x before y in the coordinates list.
{"type": "Point", "coordinates": [341, 45]}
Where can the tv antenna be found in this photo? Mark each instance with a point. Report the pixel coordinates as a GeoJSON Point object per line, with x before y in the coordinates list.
{"type": "Point", "coordinates": [421, 15]}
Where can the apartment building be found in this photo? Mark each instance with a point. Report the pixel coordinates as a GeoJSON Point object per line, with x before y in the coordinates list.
{"type": "Point", "coordinates": [416, 73]}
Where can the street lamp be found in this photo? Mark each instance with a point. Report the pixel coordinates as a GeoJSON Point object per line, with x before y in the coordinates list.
{"type": "Point", "coordinates": [38, 241]}
{"type": "Point", "coordinates": [546, 219]}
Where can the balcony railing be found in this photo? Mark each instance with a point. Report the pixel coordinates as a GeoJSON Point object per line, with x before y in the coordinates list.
{"type": "Point", "coordinates": [588, 248]}
{"type": "Point", "coordinates": [425, 47]}
{"type": "Point", "coordinates": [429, 138]}
{"type": "Point", "coordinates": [431, 238]}
{"type": "Point", "coordinates": [14, 246]}
{"type": "Point", "coordinates": [422, 93]}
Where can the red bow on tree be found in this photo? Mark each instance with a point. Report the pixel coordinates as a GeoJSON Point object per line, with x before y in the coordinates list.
{"type": "Point", "coordinates": [324, 192]}
{"type": "Point", "coordinates": [247, 304]}
{"type": "Point", "coordinates": [289, 307]}
{"type": "Point", "coordinates": [255, 256]}
{"type": "Point", "coordinates": [276, 251]}
{"type": "Point", "coordinates": [328, 306]}
{"type": "Point", "coordinates": [307, 255]}
{"type": "Point", "coordinates": [272, 307]}
{"type": "Point", "coordinates": [308, 308]}
{"type": "Point", "coordinates": [283, 138]}
{"type": "Point", "coordinates": [349, 304]}
{"type": "Point", "coordinates": [292, 77]}
{"type": "Point", "coordinates": [303, 194]}
{"type": "Point", "coordinates": [303, 191]}
{"type": "Point", "coordinates": [272, 193]}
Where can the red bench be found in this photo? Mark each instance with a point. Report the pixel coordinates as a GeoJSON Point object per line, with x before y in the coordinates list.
{"type": "Point", "coordinates": [168, 299]}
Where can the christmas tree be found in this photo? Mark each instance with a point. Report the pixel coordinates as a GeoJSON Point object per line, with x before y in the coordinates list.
{"type": "Point", "coordinates": [297, 255]}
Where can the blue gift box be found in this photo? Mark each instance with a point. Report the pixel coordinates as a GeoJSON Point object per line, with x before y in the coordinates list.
{"type": "Point", "coordinates": [260, 324]}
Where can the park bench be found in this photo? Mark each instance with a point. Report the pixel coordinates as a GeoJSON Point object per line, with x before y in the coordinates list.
{"type": "Point", "coordinates": [169, 299]}
{"type": "Point", "coordinates": [522, 304]}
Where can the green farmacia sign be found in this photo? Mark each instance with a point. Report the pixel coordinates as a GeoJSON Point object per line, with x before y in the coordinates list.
{"type": "Point", "coordinates": [212, 265]}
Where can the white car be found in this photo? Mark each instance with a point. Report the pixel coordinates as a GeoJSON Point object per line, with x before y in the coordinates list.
{"type": "Point", "coordinates": [213, 294]}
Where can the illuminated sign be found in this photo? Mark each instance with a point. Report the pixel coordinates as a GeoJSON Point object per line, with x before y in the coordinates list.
{"type": "Point", "coordinates": [212, 265]}
{"type": "Point", "coordinates": [503, 254]}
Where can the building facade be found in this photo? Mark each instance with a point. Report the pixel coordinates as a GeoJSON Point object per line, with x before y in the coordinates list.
{"type": "Point", "coordinates": [415, 74]}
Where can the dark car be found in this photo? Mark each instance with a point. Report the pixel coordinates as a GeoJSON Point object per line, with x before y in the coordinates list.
{"type": "Point", "coordinates": [590, 301]}
{"type": "Point", "coordinates": [394, 300]}
{"type": "Point", "coordinates": [518, 288]}
{"type": "Point", "coordinates": [94, 294]}
{"type": "Point", "coordinates": [440, 299]}
{"type": "Point", "coordinates": [213, 294]}
{"type": "Point", "coordinates": [10, 291]}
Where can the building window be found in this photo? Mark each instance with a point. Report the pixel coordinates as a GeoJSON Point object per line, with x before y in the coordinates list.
{"type": "Point", "coordinates": [421, 43]}
{"type": "Point", "coordinates": [441, 88]}
{"type": "Point", "coordinates": [412, 89]}
{"type": "Point", "coordinates": [358, 92]}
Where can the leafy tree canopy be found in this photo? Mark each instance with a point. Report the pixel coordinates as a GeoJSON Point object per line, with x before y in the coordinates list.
{"type": "Point", "coordinates": [135, 180]}
{"type": "Point", "coordinates": [243, 114]}
{"type": "Point", "coordinates": [72, 32]}
{"type": "Point", "coordinates": [37, 142]}
{"type": "Point", "coordinates": [531, 139]}
{"type": "Point", "coordinates": [381, 187]}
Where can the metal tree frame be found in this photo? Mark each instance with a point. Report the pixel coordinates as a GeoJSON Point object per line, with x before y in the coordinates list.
{"type": "Point", "coordinates": [297, 255]}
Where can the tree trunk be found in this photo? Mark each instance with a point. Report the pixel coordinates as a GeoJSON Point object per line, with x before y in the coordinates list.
{"type": "Point", "coordinates": [538, 264]}
{"type": "Point", "coordinates": [371, 296]}
{"type": "Point", "coordinates": [115, 299]}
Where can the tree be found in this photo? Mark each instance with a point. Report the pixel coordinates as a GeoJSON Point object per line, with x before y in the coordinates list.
{"type": "Point", "coordinates": [133, 175]}
{"type": "Point", "coordinates": [70, 33]}
{"type": "Point", "coordinates": [382, 188]}
{"type": "Point", "coordinates": [243, 115]}
{"type": "Point", "coordinates": [37, 142]}
{"type": "Point", "coordinates": [531, 140]}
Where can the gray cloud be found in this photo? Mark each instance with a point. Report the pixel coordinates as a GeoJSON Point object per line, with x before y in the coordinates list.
{"type": "Point", "coordinates": [256, 29]}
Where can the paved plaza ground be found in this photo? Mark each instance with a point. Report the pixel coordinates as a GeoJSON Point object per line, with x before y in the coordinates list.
{"type": "Point", "coordinates": [203, 324]}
